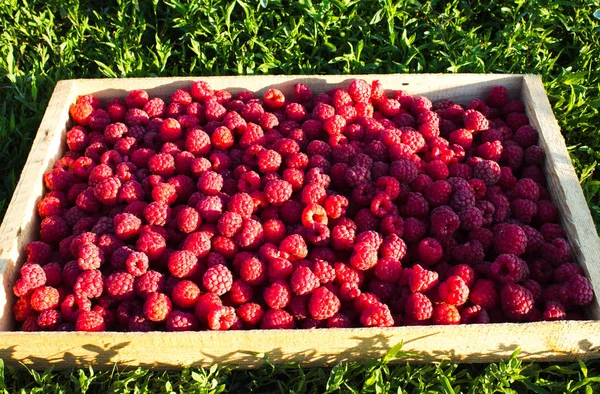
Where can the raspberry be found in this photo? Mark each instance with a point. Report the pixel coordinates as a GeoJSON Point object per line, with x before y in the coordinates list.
{"type": "Point", "coordinates": [454, 290]}
{"type": "Point", "coordinates": [510, 239]}
{"type": "Point", "coordinates": [507, 268]}
{"type": "Point", "coordinates": [127, 225]}
{"type": "Point", "coordinates": [89, 284]}
{"type": "Point", "coordinates": [444, 221]}
{"type": "Point", "coordinates": [277, 295]}
{"type": "Point", "coordinates": [497, 97]}
{"type": "Point", "coordinates": [363, 257]}
{"type": "Point", "coordinates": [293, 246]}
{"type": "Point", "coordinates": [137, 263]}
{"type": "Point", "coordinates": [277, 319]}
{"type": "Point", "coordinates": [90, 321]}
{"type": "Point", "coordinates": [304, 281]}
{"type": "Point", "coordinates": [421, 280]}
{"type": "Point", "coordinates": [32, 277]}
{"type": "Point", "coordinates": [359, 90]}
{"type": "Point", "coordinates": [554, 311]}
{"type": "Point", "coordinates": [217, 279]}
{"type": "Point", "coordinates": [557, 252]}
{"type": "Point", "coordinates": [181, 321]}
{"type": "Point", "coordinates": [488, 171]}
{"type": "Point", "coordinates": [149, 282]}
{"type": "Point", "coordinates": [89, 257]}
{"type": "Point", "coordinates": [278, 191]}
{"type": "Point", "coordinates": [119, 285]}
{"type": "Point", "coordinates": [183, 264]}
{"type": "Point", "coordinates": [579, 290]}
{"type": "Point", "coordinates": [377, 315]}
{"type": "Point", "coordinates": [323, 304]}
{"type": "Point", "coordinates": [250, 313]}
{"type": "Point", "coordinates": [53, 229]}
{"type": "Point", "coordinates": [484, 293]}
{"type": "Point", "coordinates": [157, 307]}
{"type": "Point", "coordinates": [38, 252]}
{"type": "Point", "coordinates": [418, 307]}
{"type": "Point", "coordinates": [475, 120]}
{"type": "Point", "coordinates": [445, 314]}
{"type": "Point", "coordinates": [152, 244]}
{"type": "Point", "coordinates": [565, 271]}
{"type": "Point", "coordinates": [516, 301]}
{"type": "Point", "coordinates": [198, 243]}
{"type": "Point", "coordinates": [470, 218]}
{"type": "Point", "coordinates": [44, 298]}
{"type": "Point", "coordinates": [253, 271]}
{"type": "Point", "coordinates": [185, 294]}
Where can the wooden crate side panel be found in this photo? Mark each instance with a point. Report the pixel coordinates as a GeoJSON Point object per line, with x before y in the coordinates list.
{"type": "Point", "coordinates": [550, 341]}
{"type": "Point", "coordinates": [21, 222]}
{"type": "Point", "coordinates": [564, 186]}
{"type": "Point", "coordinates": [461, 88]}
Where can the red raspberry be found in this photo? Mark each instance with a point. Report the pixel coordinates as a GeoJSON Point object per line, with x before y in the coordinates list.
{"type": "Point", "coordinates": [210, 183]}
{"type": "Point", "coordinates": [429, 251]}
{"type": "Point", "coordinates": [43, 298]}
{"type": "Point", "coordinates": [510, 238]}
{"type": "Point", "coordinates": [182, 321]}
{"type": "Point", "coordinates": [198, 243]}
{"type": "Point", "coordinates": [484, 293]}
{"type": "Point", "coordinates": [565, 271]}
{"type": "Point", "coordinates": [90, 321]}
{"type": "Point", "coordinates": [579, 290]}
{"type": "Point", "coordinates": [49, 320]}
{"type": "Point", "coordinates": [253, 271]}
{"type": "Point", "coordinates": [89, 284]}
{"type": "Point", "coordinates": [526, 136]}
{"type": "Point", "coordinates": [183, 264]}
{"type": "Point", "coordinates": [475, 120]}
{"type": "Point", "coordinates": [422, 280]}
{"type": "Point", "coordinates": [157, 307]}
{"type": "Point", "coordinates": [364, 256]}
{"type": "Point", "coordinates": [470, 218]}
{"type": "Point", "coordinates": [277, 319]}
{"type": "Point", "coordinates": [507, 268]}
{"type": "Point", "coordinates": [119, 285]}
{"type": "Point", "coordinates": [516, 300]}
{"type": "Point", "coordinates": [418, 307]}
{"type": "Point", "coordinates": [217, 279]}
{"type": "Point", "coordinates": [38, 252]}
{"type": "Point", "coordinates": [136, 117]}
{"type": "Point", "coordinates": [497, 97]}
{"type": "Point", "coordinates": [523, 210]}
{"type": "Point", "coordinates": [554, 311]}
{"type": "Point", "coordinates": [488, 171]}
{"type": "Point", "coordinates": [201, 91]}
{"type": "Point", "coordinates": [185, 294]}
{"type": "Point", "coordinates": [162, 164]}
{"type": "Point", "coordinates": [304, 281]}
{"type": "Point", "coordinates": [294, 247]}
{"type": "Point", "coordinates": [89, 257]}
{"type": "Point", "coordinates": [454, 290]}
{"type": "Point", "coordinates": [359, 90]}
{"type": "Point", "coordinates": [278, 191]}
{"type": "Point", "coordinates": [149, 282]}
{"type": "Point", "coordinates": [438, 193]}
{"type": "Point", "coordinates": [277, 295]}
{"type": "Point", "coordinates": [251, 313]}
{"type": "Point", "coordinates": [53, 229]}
{"type": "Point", "coordinates": [377, 315]}
{"type": "Point", "coordinates": [32, 277]}
{"type": "Point", "coordinates": [221, 318]}
{"type": "Point", "coordinates": [445, 314]}
{"type": "Point", "coordinates": [323, 304]}
{"type": "Point", "coordinates": [210, 208]}
{"type": "Point", "coordinates": [444, 221]}
{"type": "Point", "coordinates": [137, 263]}
{"type": "Point", "coordinates": [81, 113]}
{"type": "Point", "coordinates": [127, 225]}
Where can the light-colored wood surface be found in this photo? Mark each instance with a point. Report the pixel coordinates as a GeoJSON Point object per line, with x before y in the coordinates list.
{"type": "Point", "coordinates": [474, 343]}
{"type": "Point", "coordinates": [563, 185]}
{"type": "Point", "coordinates": [21, 222]}
{"type": "Point", "coordinates": [556, 341]}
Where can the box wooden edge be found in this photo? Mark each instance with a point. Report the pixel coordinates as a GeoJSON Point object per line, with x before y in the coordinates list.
{"type": "Point", "coordinates": [565, 189]}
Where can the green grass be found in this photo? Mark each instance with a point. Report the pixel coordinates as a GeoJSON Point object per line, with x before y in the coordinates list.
{"type": "Point", "coordinates": [42, 42]}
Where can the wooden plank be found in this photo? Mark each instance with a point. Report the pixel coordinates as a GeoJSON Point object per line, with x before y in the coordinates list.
{"type": "Point", "coordinates": [21, 222]}
{"type": "Point", "coordinates": [563, 185]}
{"type": "Point", "coordinates": [555, 341]}
{"type": "Point", "coordinates": [473, 343]}
{"type": "Point", "coordinates": [461, 88]}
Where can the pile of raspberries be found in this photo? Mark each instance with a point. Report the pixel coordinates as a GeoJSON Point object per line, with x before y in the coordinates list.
{"type": "Point", "coordinates": [355, 207]}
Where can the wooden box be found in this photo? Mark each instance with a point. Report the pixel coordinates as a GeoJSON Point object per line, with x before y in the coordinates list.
{"type": "Point", "coordinates": [566, 340]}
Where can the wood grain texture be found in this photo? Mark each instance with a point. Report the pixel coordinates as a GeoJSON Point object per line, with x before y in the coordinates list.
{"type": "Point", "coordinates": [564, 186]}
{"type": "Point", "coordinates": [21, 222]}
{"type": "Point", "coordinates": [472, 343]}
{"type": "Point", "coordinates": [549, 341]}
